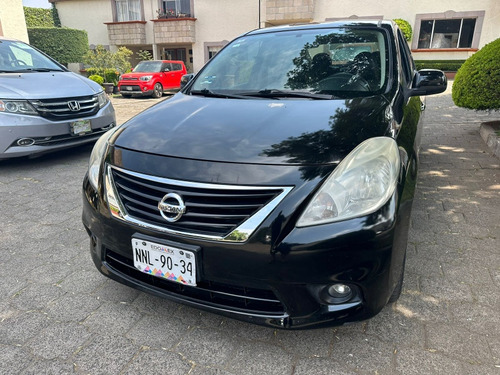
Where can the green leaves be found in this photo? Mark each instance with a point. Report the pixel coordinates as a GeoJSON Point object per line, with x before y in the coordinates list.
{"type": "Point", "coordinates": [477, 82]}
{"type": "Point", "coordinates": [62, 44]}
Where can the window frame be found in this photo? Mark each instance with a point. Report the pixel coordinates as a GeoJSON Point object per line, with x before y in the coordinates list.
{"type": "Point", "coordinates": [115, 11]}
{"type": "Point", "coordinates": [450, 15]}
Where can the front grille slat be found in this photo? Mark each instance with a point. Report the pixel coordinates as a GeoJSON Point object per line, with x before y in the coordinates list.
{"type": "Point", "coordinates": [58, 109]}
{"type": "Point", "coordinates": [232, 297]}
{"type": "Point", "coordinates": [211, 209]}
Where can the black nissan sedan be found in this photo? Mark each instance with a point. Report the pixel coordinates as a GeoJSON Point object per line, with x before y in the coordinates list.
{"type": "Point", "coordinates": [277, 186]}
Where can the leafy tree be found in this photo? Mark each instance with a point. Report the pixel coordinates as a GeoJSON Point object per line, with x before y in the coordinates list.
{"type": "Point", "coordinates": [477, 82]}
{"type": "Point", "coordinates": [405, 28]}
{"type": "Point", "coordinates": [144, 55]}
{"type": "Point", "coordinates": [101, 61]}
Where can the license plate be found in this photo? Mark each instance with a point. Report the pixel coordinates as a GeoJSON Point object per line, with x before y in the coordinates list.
{"type": "Point", "coordinates": [80, 127]}
{"type": "Point", "coordinates": [129, 88]}
{"type": "Point", "coordinates": [164, 261]}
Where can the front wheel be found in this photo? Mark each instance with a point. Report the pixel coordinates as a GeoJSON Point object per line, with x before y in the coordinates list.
{"type": "Point", "coordinates": [158, 90]}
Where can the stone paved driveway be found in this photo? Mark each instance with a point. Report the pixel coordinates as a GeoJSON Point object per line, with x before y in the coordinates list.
{"type": "Point", "coordinates": [58, 315]}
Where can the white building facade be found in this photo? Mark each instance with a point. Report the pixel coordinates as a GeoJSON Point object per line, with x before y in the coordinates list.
{"type": "Point", "coordinates": [12, 22]}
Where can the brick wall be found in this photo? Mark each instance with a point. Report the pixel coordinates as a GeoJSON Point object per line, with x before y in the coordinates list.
{"type": "Point", "coordinates": [175, 30]}
{"type": "Point", "coordinates": [127, 33]}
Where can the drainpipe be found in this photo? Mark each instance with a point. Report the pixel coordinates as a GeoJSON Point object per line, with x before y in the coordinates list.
{"type": "Point", "coordinates": [259, 12]}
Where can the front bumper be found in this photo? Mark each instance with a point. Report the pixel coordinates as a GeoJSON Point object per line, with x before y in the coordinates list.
{"type": "Point", "coordinates": [136, 88]}
{"type": "Point", "coordinates": [48, 135]}
{"type": "Point", "coordinates": [277, 284]}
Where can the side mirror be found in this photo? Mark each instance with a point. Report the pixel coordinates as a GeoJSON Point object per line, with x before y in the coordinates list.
{"type": "Point", "coordinates": [428, 82]}
{"type": "Point", "coordinates": [185, 79]}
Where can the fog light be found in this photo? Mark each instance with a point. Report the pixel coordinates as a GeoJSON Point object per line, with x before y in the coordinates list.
{"type": "Point", "coordinates": [335, 294]}
{"type": "Point", "coordinates": [25, 142]}
{"type": "Point", "coordinates": [339, 290]}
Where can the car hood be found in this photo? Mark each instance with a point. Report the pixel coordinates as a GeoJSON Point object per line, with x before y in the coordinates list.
{"type": "Point", "coordinates": [262, 131]}
{"type": "Point", "coordinates": [43, 85]}
{"type": "Point", "coordinates": [137, 75]}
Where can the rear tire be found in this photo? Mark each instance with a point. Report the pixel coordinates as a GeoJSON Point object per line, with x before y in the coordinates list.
{"type": "Point", "coordinates": [158, 91]}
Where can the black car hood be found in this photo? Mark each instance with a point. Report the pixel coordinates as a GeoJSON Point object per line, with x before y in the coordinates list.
{"type": "Point", "coordinates": [261, 131]}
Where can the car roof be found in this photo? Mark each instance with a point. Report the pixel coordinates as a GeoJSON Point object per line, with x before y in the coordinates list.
{"type": "Point", "coordinates": [325, 25]}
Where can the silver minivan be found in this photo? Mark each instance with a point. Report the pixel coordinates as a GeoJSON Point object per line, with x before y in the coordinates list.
{"type": "Point", "coordinates": [43, 106]}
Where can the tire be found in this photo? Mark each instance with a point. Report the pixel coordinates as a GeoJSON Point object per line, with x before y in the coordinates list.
{"type": "Point", "coordinates": [157, 91]}
{"type": "Point", "coordinates": [399, 286]}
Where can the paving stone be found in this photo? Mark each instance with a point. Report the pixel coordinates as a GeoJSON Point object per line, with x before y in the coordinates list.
{"type": "Point", "coordinates": [363, 353]}
{"type": "Point", "coordinates": [36, 296]}
{"type": "Point", "coordinates": [14, 359]}
{"type": "Point", "coordinates": [208, 347]}
{"type": "Point", "coordinates": [321, 366]}
{"type": "Point", "coordinates": [114, 318]}
{"type": "Point", "coordinates": [157, 362]}
{"type": "Point", "coordinates": [158, 331]}
{"type": "Point", "coordinates": [264, 359]}
{"type": "Point", "coordinates": [52, 367]}
{"type": "Point", "coordinates": [458, 343]}
{"type": "Point", "coordinates": [59, 340]}
{"type": "Point", "coordinates": [72, 307]}
{"type": "Point", "coordinates": [113, 291]}
{"type": "Point", "coordinates": [411, 361]}
{"type": "Point", "coordinates": [312, 343]}
{"type": "Point", "coordinates": [106, 355]}
{"type": "Point", "coordinates": [445, 289]}
{"type": "Point", "coordinates": [18, 329]}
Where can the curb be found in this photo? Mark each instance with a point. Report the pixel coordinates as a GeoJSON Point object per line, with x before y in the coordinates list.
{"type": "Point", "coordinates": [488, 131]}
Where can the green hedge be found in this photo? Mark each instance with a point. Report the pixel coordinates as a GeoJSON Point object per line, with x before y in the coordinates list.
{"type": "Point", "coordinates": [38, 17]}
{"type": "Point", "coordinates": [63, 44]}
{"type": "Point", "coordinates": [477, 82]}
{"type": "Point", "coordinates": [444, 65]}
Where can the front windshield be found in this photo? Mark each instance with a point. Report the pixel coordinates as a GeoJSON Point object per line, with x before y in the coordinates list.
{"type": "Point", "coordinates": [20, 57]}
{"type": "Point", "coordinates": [343, 62]}
{"type": "Point", "coordinates": [148, 67]}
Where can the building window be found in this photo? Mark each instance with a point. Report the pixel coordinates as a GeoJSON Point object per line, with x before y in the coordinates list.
{"type": "Point", "coordinates": [128, 10]}
{"type": "Point", "coordinates": [449, 30]}
{"type": "Point", "coordinates": [213, 50]}
{"type": "Point", "coordinates": [177, 8]}
{"type": "Point", "coordinates": [446, 33]}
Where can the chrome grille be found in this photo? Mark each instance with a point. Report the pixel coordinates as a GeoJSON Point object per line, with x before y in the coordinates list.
{"type": "Point", "coordinates": [59, 109]}
{"type": "Point", "coordinates": [212, 210]}
{"type": "Point", "coordinates": [130, 78]}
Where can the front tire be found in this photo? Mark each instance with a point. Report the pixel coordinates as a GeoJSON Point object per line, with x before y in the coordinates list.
{"type": "Point", "coordinates": [157, 91]}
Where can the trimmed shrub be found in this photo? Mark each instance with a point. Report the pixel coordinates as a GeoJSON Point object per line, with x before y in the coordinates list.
{"type": "Point", "coordinates": [62, 44]}
{"type": "Point", "coordinates": [444, 65]}
{"type": "Point", "coordinates": [405, 28]}
{"type": "Point", "coordinates": [111, 76]}
{"type": "Point", "coordinates": [97, 78]}
{"type": "Point", "coordinates": [477, 83]}
{"type": "Point", "coordinates": [38, 17]}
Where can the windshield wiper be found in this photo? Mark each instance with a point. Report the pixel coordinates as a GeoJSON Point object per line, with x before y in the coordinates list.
{"type": "Point", "coordinates": [37, 70]}
{"type": "Point", "coordinates": [275, 93]}
{"type": "Point", "coordinates": [213, 94]}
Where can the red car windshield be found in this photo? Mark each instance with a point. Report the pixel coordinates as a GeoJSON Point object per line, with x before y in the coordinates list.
{"type": "Point", "coordinates": [148, 67]}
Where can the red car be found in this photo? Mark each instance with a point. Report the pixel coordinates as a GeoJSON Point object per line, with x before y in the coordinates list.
{"type": "Point", "coordinates": [152, 77]}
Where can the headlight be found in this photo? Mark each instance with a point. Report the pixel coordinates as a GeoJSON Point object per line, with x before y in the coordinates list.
{"type": "Point", "coordinates": [146, 78]}
{"type": "Point", "coordinates": [361, 184]}
{"type": "Point", "coordinates": [102, 98]}
{"type": "Point", "coordinates": [97, 155]}
{"type": "Point", "coordinates": [22, 107]}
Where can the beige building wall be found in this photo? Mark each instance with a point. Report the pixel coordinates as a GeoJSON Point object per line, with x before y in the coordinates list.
{"type": "Point", "coordinates": [221, 20]}
{"type": "Point", "coordinates": [12, 22]}
{"type": "Point", "coordinates": [88, 15]}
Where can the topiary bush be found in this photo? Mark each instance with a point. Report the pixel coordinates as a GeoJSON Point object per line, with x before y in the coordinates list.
{"type": "Point", "coordinates": [38, 17]}
{"type": "Point", "coordinates": [477, 83]}
{"type": "Point", "coordinates": [97, 78]}
{"type": "Point", "coordinates": [405, 28]}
